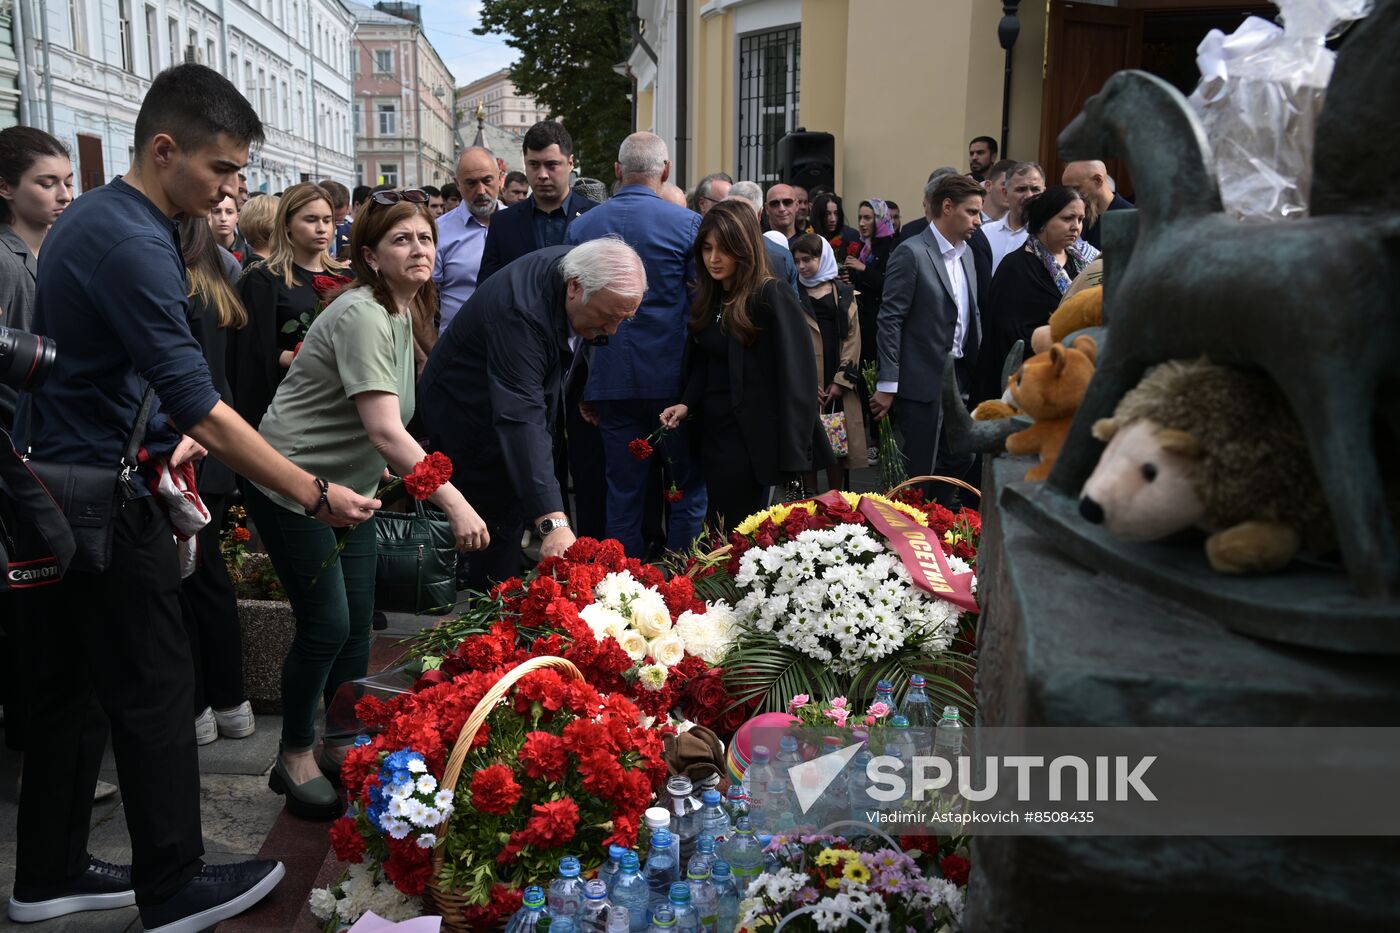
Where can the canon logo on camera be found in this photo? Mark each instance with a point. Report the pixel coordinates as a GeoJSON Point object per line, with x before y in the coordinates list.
{"type": "Point", "coordinates": [33, 573]}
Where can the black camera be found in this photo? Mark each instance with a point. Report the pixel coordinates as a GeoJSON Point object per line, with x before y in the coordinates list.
{"type": "Point", "coordinates": [25, 359]}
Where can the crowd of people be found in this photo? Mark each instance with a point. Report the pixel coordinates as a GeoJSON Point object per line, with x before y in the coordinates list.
{"type": "Point", "coordinates": [533, 327]}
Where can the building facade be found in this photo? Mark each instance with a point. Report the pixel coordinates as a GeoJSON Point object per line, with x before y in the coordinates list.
{"type": "Point", "coordinates": [403, 118]}
{"type": "Point", "coordinates": [86, 65]}
{"type": "Point", "coordinates": [903, 85]}
{"type": "Point", "coordinates": [501, 105]}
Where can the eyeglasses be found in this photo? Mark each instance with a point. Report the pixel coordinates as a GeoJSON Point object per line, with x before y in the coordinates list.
{"type": "Point", "coordinates": [785, 202]}
{"type": "Point", "coordinates": [411, 195]}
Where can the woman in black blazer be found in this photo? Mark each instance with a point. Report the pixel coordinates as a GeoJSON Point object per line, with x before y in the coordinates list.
{"type": "Point", "coordinates": [750, 369]}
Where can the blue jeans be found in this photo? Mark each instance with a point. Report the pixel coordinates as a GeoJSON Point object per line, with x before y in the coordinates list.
{"type": "Point", "coordinates": [622, 422]}
{"type": "Point", "coordinates": [333, 601]}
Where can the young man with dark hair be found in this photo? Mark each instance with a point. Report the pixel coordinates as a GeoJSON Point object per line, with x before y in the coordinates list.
{"type": "Point", "coordinates": [112, 293]}
{"type": "Point", "coordinates": [451, 197]}
{"type": "Point", "coordinates": [358, 199]}
{"type": "Point", "coordinates": [543, 218]}
{"type": "Point", "coordinates": [515, 189]}
{"type": "Point", "coordinates": [434, 199]}
{"type": "Point", "coordinates": [995, 206]}
{"type": "Point", "coordinates": [981, 153]}
{"type": "Point", "coordinates": [340, 215]}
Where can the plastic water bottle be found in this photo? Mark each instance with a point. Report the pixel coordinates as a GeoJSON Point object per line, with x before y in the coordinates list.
{"type": "Point", "coordinates": [900, 738]}
{"type": "Point", "coordinates": [788, 755]}
{"type": "Point", "coordinates": [530, 912]}
{"type": "Point", "coordinates": [713, 820]}
{"type": "Point", "coordinates": [861, 802]}
{"type": "Point", "coordinates": [593, 915]}
{"type": "Point", "coordinates": [768, 860]}
{"type": "Point", "coordinates": [704, 856]}
{"type": "Point", "coordinates": [559, 925]}
{"type": "Point", "coordinates": [736, 804]}
{"type": "Point", "coordinates": [612, 866]}
{"type": "Point", "coordinates": [663, 919]}
{"type": "Point", "coordinates": [919, 713]}
{"type": "Point", "coordinates": [948, 735]}
{"type": "Point", "coordinates": [630, 891]}
{"type": "Point", "coordinates": [660, 818]}
{"type": "Point", "coordinates": [687, 919]}
{"type": "Point", "coordinates": [703, 897]}
{"type": "Point", "coordinates": [743, 854]}
{"type": "Point", "coordinates": [834, 803]}
{"type": "Point", "coordinates": [756, 779]}
{"type": "Point", "coordinates": [685, 814]}
{"type": "Point", "coordinates": [661, 869]}
{"type": "Point", "coordinates": [884, 693]}
{"type": "Point", "coordinates": [566, 890]}
{"type": "Point", "coordinates": [726, 898]}
{"type": "Point", "coordinates": [780, 816]}
{"type": "Point", "coordinates": [618, 921]}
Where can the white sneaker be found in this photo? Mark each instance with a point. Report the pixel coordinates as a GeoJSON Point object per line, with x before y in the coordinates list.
{"type": "Point", "coordinates": [206, 728]}
{"type": "Point", "coordinates": [236, 723]}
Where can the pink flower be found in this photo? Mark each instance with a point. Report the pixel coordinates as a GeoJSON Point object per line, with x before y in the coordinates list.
{"type": "Point", "coordinates": [838, 716]}
{"type": "Point", "coordinates": [870, 720]}
{"type": "Point", "coordinates": [838, 703]}
{"type": "Point", "coordinates": [798, 702]}
{"type": "Point", "coordinates": [879, 710]}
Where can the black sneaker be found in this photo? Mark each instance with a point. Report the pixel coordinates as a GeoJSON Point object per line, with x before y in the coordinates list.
{"type": "Point", "coordinates": [103, 886]}
{"type": "Point", "coordinates": [216, 893]}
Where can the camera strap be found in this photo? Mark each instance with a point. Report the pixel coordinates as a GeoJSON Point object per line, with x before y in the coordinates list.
{"type": "Point", "coordinates": [36, 541]}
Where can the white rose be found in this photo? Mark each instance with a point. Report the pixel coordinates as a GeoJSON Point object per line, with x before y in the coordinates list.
{"type": "Point", "coordinates": [650, 615]}
{"type": "Point", "coordinates": [668, 649]}
{"type": "Point", "coordinates": [634, 643]}
{"type": "Point", "coordinates": [602, 620]}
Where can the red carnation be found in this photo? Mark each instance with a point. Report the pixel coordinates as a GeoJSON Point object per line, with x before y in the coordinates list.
{"type": "Point", "coordinates": [494, 790]}
{"type": "Point", "coordinates": [359, 762]}
{"type": "Point", "coordinates": [553, 824]}
{"type": "Point", "coordinates": [346, 839]}
{"type": "Point", "coordinates": [242, 535]}
{"type": "Point", "coordinates": [639, 448]}
{"type": "Point", "coordinates": [955, 868]}
{"type": "Point", "coordinates": [544, 756]}
{"type": "Point", "coordinates": [853, 248]}
{"type": "Point", "coordinates": [673, 494]}
{"type": "Point", "coordinates": [430, 473]}
{"type": "Point", "coordinates": [408, 866]}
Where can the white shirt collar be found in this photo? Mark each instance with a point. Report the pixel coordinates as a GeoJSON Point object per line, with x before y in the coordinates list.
{"type": "Point", "coordinates": [944, 247]}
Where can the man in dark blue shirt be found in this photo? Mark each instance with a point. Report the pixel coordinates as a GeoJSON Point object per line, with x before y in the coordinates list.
{"type": "Point", "coordinates": [111, 292]}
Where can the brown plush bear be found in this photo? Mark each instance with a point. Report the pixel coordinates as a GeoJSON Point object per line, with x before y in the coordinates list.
{"type": "Point", "coordinates": [1077, 311]}
{"type": "Point", "coordinates": [1049, 387]}
{"type": "Point", "coordinates": [1199, 444]}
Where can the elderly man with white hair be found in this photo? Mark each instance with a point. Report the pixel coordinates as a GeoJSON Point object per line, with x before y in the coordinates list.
{"type": "Point", "coordinates": [638, 374]}
{"type": "Point", "coordinates": [492, 392]}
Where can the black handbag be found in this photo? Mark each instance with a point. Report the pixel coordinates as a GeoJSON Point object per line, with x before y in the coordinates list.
{"type": "Point", "coordinates": [91, 497]}
{"type": "Point", "coordinates": [416, 569]}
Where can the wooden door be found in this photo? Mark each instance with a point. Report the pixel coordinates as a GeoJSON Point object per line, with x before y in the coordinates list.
{"type": "Point", "coordinates": [92, 173]}
{"type": "Point", "coordinates": [1084, 46]}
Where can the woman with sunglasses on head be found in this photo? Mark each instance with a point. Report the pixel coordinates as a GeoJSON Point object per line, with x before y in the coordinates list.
{"type": "Point", "coordinates": [279, 295]}
{"type": "Point", "coordinates": [750, 370]}
{"type": "Point", "coordinates": [340, 414]}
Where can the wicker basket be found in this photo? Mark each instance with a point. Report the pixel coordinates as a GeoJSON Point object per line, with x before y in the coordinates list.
{"type": "Point", "coordinates": [919, 480]}
{"type": "Point", "coordinates": [449, 904]}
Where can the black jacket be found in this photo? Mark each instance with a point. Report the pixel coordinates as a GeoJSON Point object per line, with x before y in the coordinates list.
{"type": "Point", "coordinates": [512, 232]}
{"type": "Point", "coordinates": [491, 393]}
{"type": "Point", "coordinates": [770, 385]}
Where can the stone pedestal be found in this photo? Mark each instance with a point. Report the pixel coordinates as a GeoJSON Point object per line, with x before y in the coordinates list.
{"type": "Point", "coordinates": [1062, 645]}
{"type": "Point", "coordinates": [267, 627]}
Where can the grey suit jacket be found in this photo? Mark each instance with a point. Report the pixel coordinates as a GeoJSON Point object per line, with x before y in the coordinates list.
{"type": "Point", "coordinates": [918, 315]}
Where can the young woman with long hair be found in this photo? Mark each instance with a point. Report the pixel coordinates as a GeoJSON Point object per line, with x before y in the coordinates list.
{"type": "Point", "coordinates": [207, 601]}
{"type": "Point", "coordinates": [280, 296]}
{"type": "Point", "coordinates": [340, 414]}
{"type": "Point", "coordinates": [255, 222]}
{"type": "Point", "coordinates": [750, 370]}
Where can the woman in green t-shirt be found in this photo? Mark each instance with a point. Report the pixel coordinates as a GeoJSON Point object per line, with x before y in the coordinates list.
{"type": "Point", "coordinates": [340, 414]}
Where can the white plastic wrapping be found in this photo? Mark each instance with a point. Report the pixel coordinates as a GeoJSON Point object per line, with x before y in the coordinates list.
{"type": "Point", "coordinates": [1261, 90]}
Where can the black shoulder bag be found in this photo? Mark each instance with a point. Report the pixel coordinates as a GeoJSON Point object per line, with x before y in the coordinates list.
{"type": "Point", "coordinates": [91, 497]}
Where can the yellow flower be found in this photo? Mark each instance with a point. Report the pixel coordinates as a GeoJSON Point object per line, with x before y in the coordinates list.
{"type": "Point", "coordinates": [827, 857]}
{"type": "Point", "coordinates": [857, 872]}
{"type": "Point", "coordinates": [780, 512]}
{"type": "Point", "coordinates": [833, 883]}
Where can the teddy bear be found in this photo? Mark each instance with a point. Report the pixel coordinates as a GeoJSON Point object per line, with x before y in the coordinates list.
{"type": "Point", "coordinates": [1080, 308]}
{"type": "Point", "coordinates": [1197, 444]}
{"type": "Point", "coordinates": [1049, 387]}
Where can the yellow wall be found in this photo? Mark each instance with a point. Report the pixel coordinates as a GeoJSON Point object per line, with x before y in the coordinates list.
{"type": "Point", "coordinates": [712, 116]}
{"type": "Point", "coordinates": [822, 93]}
{"type": "Point", "coordinates": [646, 112]}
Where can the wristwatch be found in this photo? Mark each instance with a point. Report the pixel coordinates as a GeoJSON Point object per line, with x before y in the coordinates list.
{"type": "Point", "coordinates": [550, 524]}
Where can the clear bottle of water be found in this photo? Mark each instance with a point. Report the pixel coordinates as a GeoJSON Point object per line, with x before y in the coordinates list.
{"type": "Point", "coordinates": [566, 890]}
{"type": "Point", "coordinates": [713, 820]}
{"type": "Point", "coordinates": [884, 693]}
{"type": "Point", "coordinates": [726, 897]}
{"type": "Point", "coordinates": [861, 802]}
{"type": "Point", "coordinates": [532, 909]}
{"type": "Point", "coordinates": [630, 891]}
{"type": "Point", "coordinates": [703, 897]}
{"type": "Point", "coordinates": [612, 866]}
{"type": "Point", "coordinates": [947, 744]}
{"type": "Point", "coordinates": [756, 778]}
{"type": "Point", "coordinates": [661, 869]}
{"type": "Point", "coordinates": [919, 713]}
{"type": "Point", "coordinates": [558, 925]}
{"type": "Point", "coordinates": [663, 919]}
{"type": "Point", "coordinates": [704, 856]}
{"type": "Point", "coordinates": [618, 920]}
{"type": "Point", "coordinates": [685, 814]}
{"type": "Point", "coordinates": [660, 818]}
{"type": "Point", "coordinates": [736, 804]}
{"type": "Point", "coordinates": [834, 803]}
{"type": "Point", "coordinates": [743, 854]}
{"type": "Point", "coordinates": [788, 755]}
{"type": "Point", "coordinates": [687, 920]}
{"type": "Point", "coordinates": [900, 738]}
{"type": "Point", "coordinates": [768, 860]}
{"type": "Point", "coordinates": [593, 915]}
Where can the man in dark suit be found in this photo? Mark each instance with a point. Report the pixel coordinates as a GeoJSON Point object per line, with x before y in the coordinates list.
{"type": "Point", "coordinates": [543, 218]}
{"type": "Point", "coordinates": [927, 310]}
{"type": "Point", "coordinates": [492, 392]}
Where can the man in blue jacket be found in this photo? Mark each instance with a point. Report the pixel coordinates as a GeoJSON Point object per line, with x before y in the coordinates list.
{"type": "Point", "coordinates": [638, 373]}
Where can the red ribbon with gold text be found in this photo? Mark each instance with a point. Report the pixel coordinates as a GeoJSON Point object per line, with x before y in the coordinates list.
{"type": "Point", "coordinates": [920, 550]}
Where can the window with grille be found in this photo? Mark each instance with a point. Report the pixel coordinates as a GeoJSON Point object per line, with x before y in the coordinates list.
{"type": "Point", "coordinates": [769, 73]}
